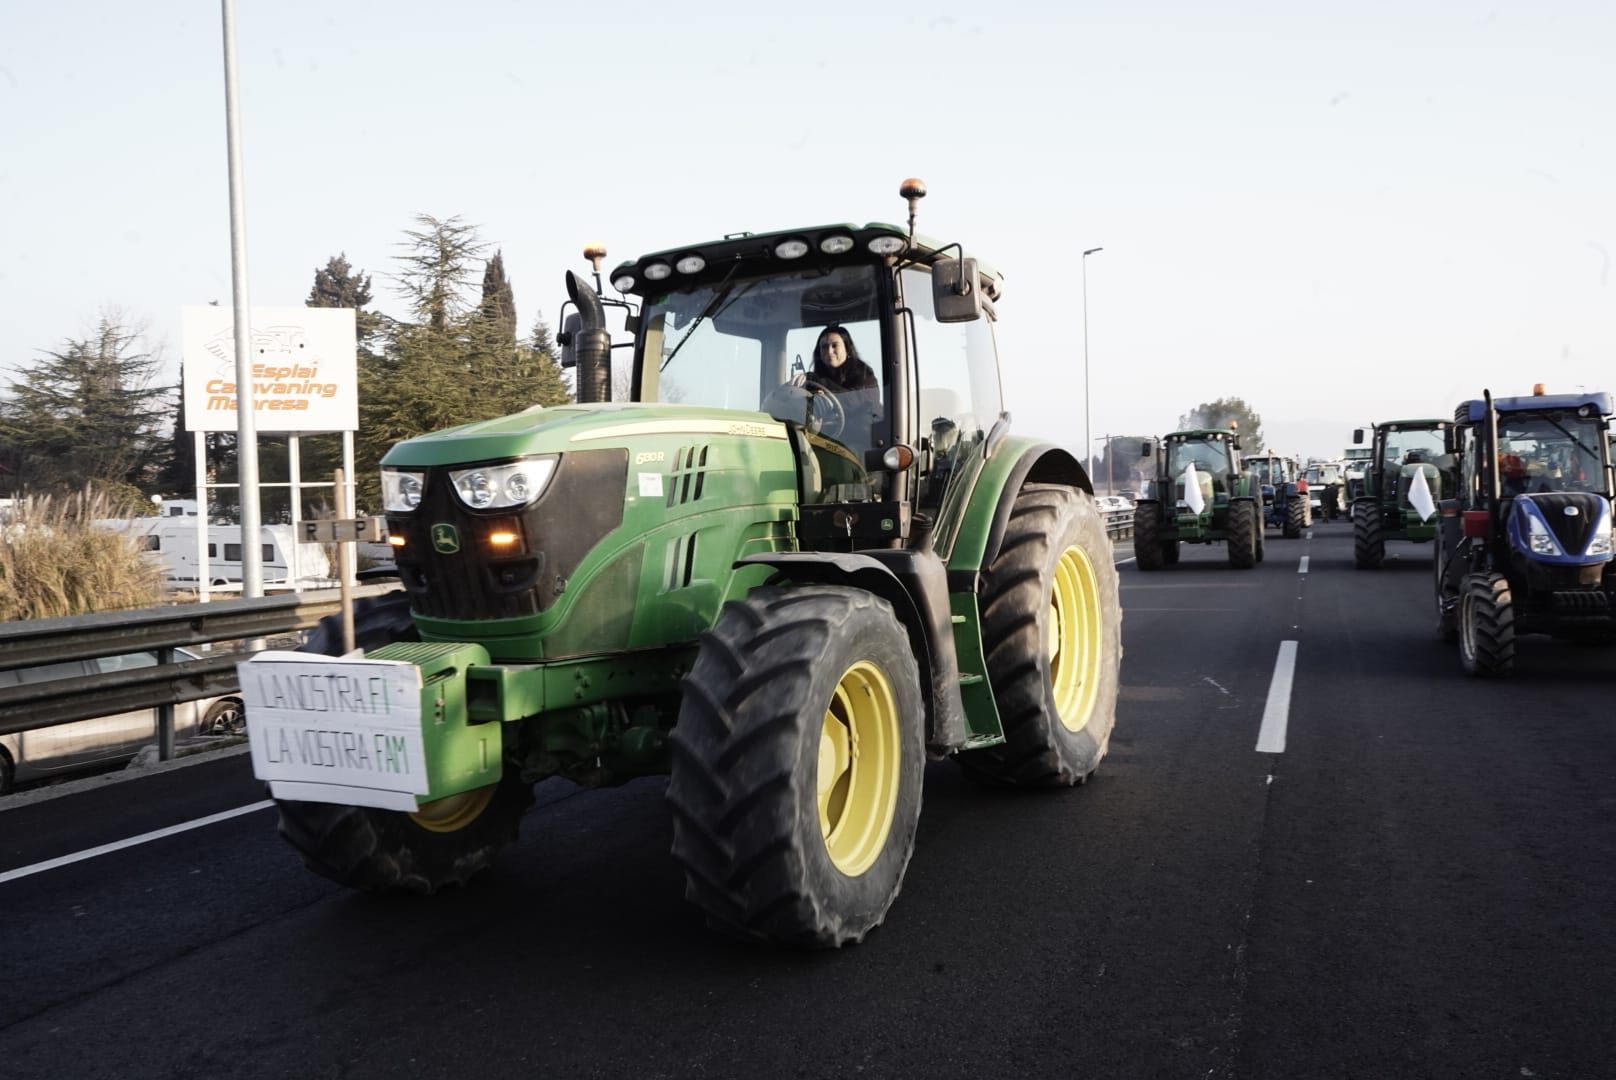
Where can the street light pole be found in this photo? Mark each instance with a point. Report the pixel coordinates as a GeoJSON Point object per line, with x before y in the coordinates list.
{"type": "Point", "coordinates": [1088, 439]}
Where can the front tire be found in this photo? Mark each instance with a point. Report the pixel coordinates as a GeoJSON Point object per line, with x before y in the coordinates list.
{"type": "Point", "coordinates": [1368, 541]}
{"type": "Point", "coordinates": [1295, 517]}
{"type": "Point", "coordinates": [1148, 549]}
{"type": "Point", "coordinates": [1486, 625]}
{"type": "Point", "coordinates": [442, 843]}
{"type": "Point", "coordinates": [1245, 534]}
{"type": "Point", "coordinates": [797, 765]}
{"type": "Point", "coordinates": [1052, 634]}
{"type": "Point", "coordinates": [226, 716]}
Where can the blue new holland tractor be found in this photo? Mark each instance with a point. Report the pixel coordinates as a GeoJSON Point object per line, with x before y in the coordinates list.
{"type": "Point", "coordinates": [1525, 547]}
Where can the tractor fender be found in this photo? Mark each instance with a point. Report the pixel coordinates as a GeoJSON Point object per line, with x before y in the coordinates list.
{"type": "Point", "coordinates": [987, 515]}
{"type": "Point", "coordinates": [915, 583]}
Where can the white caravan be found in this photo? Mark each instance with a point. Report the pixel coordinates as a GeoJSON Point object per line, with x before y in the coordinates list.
{"type": "Point", "coordinates": [173, 542]}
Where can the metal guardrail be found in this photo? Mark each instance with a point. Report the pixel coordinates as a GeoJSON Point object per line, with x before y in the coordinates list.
{"type": "Point", "coordinates": [91, 637]}
{"type": "Point", "coordinates": [161, 630]}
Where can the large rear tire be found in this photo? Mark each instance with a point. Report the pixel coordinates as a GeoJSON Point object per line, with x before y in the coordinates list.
{"type": "Point", "coordinates": [1148, 550]}
{"type": "Point", "coordinates": [1486, 625]}
{"type": "Point", "coordinates": [1245, 534]}
{"type": "Point", "coordinates": [442, 843]}
{"type": "Point", "coordinates": [1052, 634]}
{"type": "Point", "coordinates": [1368, 541]}
{"type": "Point", "coordinates": [797, 765]}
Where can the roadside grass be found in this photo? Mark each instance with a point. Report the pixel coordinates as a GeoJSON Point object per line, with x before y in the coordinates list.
{"type": "Point", "coordinates": [54, 561]}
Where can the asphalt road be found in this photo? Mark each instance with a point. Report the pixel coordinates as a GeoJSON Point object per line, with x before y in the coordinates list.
{"type": "Point", "coordinates": [1419, 885]}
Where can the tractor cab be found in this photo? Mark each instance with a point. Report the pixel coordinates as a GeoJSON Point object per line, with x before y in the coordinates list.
{"type": "Point", "coordinates": [876, 352]}
{"type": "Point", "coordinates": [1215, 457]}
{"type": "Point", "coordinates": [1408, 469]}
{"type": "Point", "coordinates": [1526, 536]}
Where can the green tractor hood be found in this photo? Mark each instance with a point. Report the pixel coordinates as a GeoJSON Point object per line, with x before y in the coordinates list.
{"type": "Point", "coordinates": [557, 430]}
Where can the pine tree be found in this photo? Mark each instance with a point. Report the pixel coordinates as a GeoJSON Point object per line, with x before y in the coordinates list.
{"type": "Point", "coordinates": [498, 307]}
{"type": "Point", "coordinates": [337, 285]}
{"type": "Point", "coordinates": [88, 413]}
{"type": "Point", "coordinates": [437, 268]}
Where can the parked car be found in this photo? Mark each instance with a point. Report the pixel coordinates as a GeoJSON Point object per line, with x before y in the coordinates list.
{"type": "Point", "coordinates": [84, 744]}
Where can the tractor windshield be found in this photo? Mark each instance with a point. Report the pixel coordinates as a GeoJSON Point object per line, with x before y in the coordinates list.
{"type": "Point", "coordinates": [772, 344]}
{"type": "Point", "coordinates": [1268, 470]}
{"type": "Point", "coordinates": [1207, 458]}
{"type": "Point", "coordinates": [1412, 447]}
{"type": "Point", "coordinates": [1542, 452]}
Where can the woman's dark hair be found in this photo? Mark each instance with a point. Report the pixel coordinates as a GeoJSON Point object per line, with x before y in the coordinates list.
{"type": "Point", "coordinates": [854, 374]}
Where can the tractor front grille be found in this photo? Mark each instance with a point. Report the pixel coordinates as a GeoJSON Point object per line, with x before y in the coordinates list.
{"type": "Point", "coordinates": [1571, 600]}
{"type": "Point", "coordinates": [452, 570]}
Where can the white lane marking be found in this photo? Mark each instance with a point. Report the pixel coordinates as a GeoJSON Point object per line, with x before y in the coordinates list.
{"type": "Point", "coordinates": [1302, 566]}
{"type": "Point", "coordinates": [1129, 559]}
{"type": "Point", "coordinates": [1214, 682]}
{"type": "Point", "coordinates": [1308, 535]}
{"type": "Point", "coordinates": [1277, 711]}
{"type": "Point", "coordinates": [119, 845]}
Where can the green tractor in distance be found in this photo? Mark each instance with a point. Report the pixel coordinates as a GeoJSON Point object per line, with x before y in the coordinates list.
{"type": "Point", "coordinates": [807, 555]}
{"type": "Point", "coordinates": [1406, 456]}
{"type": "Point", "coordinates": [1229, 502]}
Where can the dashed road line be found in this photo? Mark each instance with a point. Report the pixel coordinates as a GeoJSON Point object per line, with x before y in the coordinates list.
{"type": "Point", "coordinates": [1277, 710]}
{"type": "Point", "coordinates": [1301, 567]}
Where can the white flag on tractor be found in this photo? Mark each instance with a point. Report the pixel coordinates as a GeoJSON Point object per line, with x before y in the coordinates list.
{"type": "Point", "coordinates": [1192, 490]}
{"type": "Point", "coordinates": [1419, 495]}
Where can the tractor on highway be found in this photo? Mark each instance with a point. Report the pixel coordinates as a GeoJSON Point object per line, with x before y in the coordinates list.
{"type": "Point", "coordinates": [1284, 494]}
{"type": "Point", "coordinates": [1202, 494]}
{"type": "Point", "coordinates": [804, 556]}
{"type": "Point", "coordinates": [1526, 535]}
{"type": "Point", "coordinates": [1408, 470]}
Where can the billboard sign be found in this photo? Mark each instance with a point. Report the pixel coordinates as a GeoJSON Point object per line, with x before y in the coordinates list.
{"type": "Point", "coordinates": [304, 370]}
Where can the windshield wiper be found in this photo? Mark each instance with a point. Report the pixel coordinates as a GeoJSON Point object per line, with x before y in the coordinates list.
{"type": "Point", "coordinates": [1567, 433]}
{"type": "Point", "coordinates": [712, 308]}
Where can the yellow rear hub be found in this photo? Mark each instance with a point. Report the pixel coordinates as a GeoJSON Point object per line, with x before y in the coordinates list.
{"type": "Point", "coordinates": [1072, 638]}
{"type": "Point", "coordinates": [860, 748]}
{"type": "Point", "coordinates": [454, 812]}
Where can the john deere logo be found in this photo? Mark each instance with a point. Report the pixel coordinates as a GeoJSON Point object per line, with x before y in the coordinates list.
{"type": "Point", "coordinates": [446, 538]}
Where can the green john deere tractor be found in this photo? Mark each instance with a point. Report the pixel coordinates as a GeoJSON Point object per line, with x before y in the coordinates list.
{"type": "Point", "coordinates": [1406, 455]}
{"type": "Point", "coordinates": [1224, 505]}
{"type": "Point", "coordinates": [783, 573]}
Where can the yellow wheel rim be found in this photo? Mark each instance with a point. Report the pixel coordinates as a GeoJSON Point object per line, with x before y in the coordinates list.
{"type": "Point", "coordinates": [455, 812]}
{"type": "Point", "coordinates": [858, 771]}
{"type": "Point", "coordinates": [1072, 638]}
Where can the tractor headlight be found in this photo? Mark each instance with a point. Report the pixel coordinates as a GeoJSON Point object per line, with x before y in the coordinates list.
{"type": "Point", "coordinates": [498, 487]}
{"type": "Point", "coordinates": [1539, 539]}
{"type": "Point", "coordinates": [401, 490]}
{"type": "Point", "coordinates": [1600, 544]}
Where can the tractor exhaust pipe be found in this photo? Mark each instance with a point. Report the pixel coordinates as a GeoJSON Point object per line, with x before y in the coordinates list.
{"type": "Point", "coordinates": [1490, 460]}
{"type": "Point", "coordinates": [591, 344]}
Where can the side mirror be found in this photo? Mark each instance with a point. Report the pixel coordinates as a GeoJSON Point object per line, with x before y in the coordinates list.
{"type": "Point", "coordinates": [569, 334]}
{"type": "Point", "coordinates": [956, 290]}
{"type": "Point", "coordinates": [1357, 436]}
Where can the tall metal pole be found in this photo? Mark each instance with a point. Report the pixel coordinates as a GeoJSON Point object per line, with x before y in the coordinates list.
{"type": "Point", "coordinates": [1088, 439]}
{"type": "Point", "coordinates": [252, 562]}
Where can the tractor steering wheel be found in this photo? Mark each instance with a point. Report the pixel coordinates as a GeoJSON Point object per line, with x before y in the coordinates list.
{"type": "Point", "coordinates": [813, 405]}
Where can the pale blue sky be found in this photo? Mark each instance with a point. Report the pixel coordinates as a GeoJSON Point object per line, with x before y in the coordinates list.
{"type": "Point", "coordinates": [1340, 212]}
